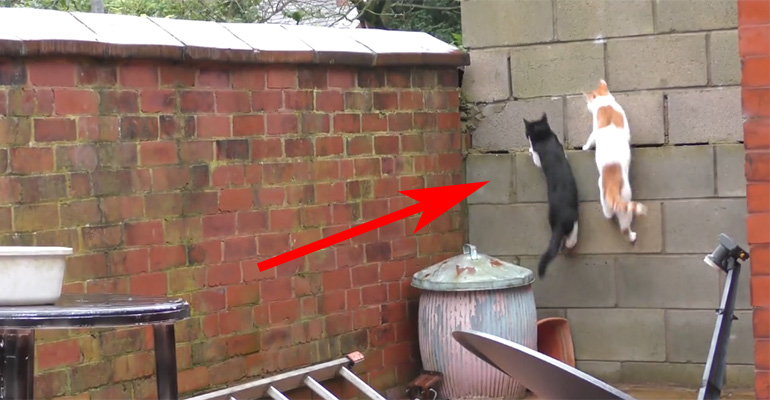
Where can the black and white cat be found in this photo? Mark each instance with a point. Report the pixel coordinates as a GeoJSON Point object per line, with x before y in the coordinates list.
{"type": "Point", "coordinates": [548, 154]}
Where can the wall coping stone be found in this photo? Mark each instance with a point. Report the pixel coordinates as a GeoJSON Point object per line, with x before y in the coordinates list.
{"type": "Point", "coordinates": [37, 32]}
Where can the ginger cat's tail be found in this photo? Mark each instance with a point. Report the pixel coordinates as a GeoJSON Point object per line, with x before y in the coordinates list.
{"type": "Point", "coordinates": [612, 185]}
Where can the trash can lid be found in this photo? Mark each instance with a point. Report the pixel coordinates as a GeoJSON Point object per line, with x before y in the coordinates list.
{"type": "Point", "coordinates": [472, 271]}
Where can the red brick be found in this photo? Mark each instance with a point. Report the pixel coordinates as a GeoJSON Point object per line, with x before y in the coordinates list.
{"type": "Point", "coordinates": [756, 133]}
{"type": "Point", "coordinates": [167, 257]}
{"type": "Point", "coordinates": [232, 101]}
{"type": "Point", "coordinates": [129, 262]}
{"type": "Point", "coordinates": [23, 101]}
{"type": "Point", "coordinates": [271, 196]}
{"type": "Point", "coordinates": [757, 166]}
{"type": "Point", "coordinates": [330, 192]}
{"type": "Point", "coordinates": [228, 175]}
{"type": "Point", "coordinates": [371, 78]}
{"type": "Point", "coordinates": [144, 233]}
{"type": "Point", "coordinates": [341, 77]}
{"type": "Point", "coordinates": [272, 244]}
{"type": "Point", "coordinates": [237, 320]}
{"type": "Point", "coordinates": [193, 379]}
{"type": "Point", "coordinates": [754, 41]}
{"type": "Point", "coordinates": [336, 280]}
{"type": "Point", "coordinates": [386, 145]}
{"type": "Point", "coordinates": [211, 126]}
{"type": "Point", "coordinates": [761, 324]}
{"type": "Point", "coordinates": [760, 291]}
{"type": "Point", "coordinates": [762, 354]}
{"type": "Point", "coordinates": [762, 385]}
{"type": "Point", "coordinates": [243, 294]}
{"type": "Point", "coordinates": [760, 259]}
{"type": "Point", "coordinates": [51, 73]}
{"type": "Point", "coordinates": [196, 101]}
{"type": "Point", "coordinates": [55, 130]}
{"type": "Point", "coordinates": [410, 100]}
{"type": "Point", "coordinates": [329, 101]}
{"type": "Point", "coordinates": [448, 121]}
{"type": "Point", "coordinates": [358, 101]}
{"type": "Point", "coordinates": [329, 145]}
{"type": "Point", "coordinates": [276, 289]}
{"type": "Point", "coordinates": [251, 78]}
{"type": "Point", "coordinates": [182, 280]}
{"type": "Point", "coordinates": [353, 298]}
{"type": "Point", "coordinates": [26, 160]}
{"type": "Point", "coordinates": [755, 71]}
{"type": "Point", "coordinates": [298, 99]}
{"type": "Point", "coordinates": [756, 102]}
{"type": "Point", "coordinates": [156, 101]}
{"type": "Point", "coordinates": [358, 145]}
{"type": "Point", "coordinates": [315, 123]}
{"type": "Point", "coordinates": [101, 128]}
{"type": "Point", "coordinates": [234, 149]}
{"type": "Point", "coordinates": [235, 199]}
{"type": "Point", "coordinates": [282, 123]}
{"type": "Point", "coordinates": [218, 225]}
{"type": "Point", "coordinates": [152, 284]}
{"type": "Point", "coordinates": [338, 324]}
{"type": "Point", "coordinates": [365, 275]}
{"type": "Point", "coordinates": [284, 220]}
{"type": "Point", "coordinates": [57, 354]}
{"type": "Point", "coordinates": [133, 366]}
{"type": "Point", "coordinates": [385, 100]}
{"type": "Point", "coordinates": [208, 301]}
{"type": "Point", "coordinates": [321, 260]}
{"type": "Point", "coordinates": [757, 227]}
{"type": "Point", "coordinates": [215, 78]}
{"type": "Point", "coordinates": [758, 196]}
{"type": "Point", "coordinates": [300, 147]}
{"type": "Point", "coordinates": [375, 294]}
{"type": "Point", "coordinates": [284, 312]}
{"type": "Point", "coordinates": [158, 153]}
{"type": "Point", "coordinates": [753, 12]}
{"type": "Point", "coordinates": [96, 75]}
{"type": "Point", "coordinates": [139, 128]}
{"type": "Point", "coordinates": [248, 125]}
{"type": "Point", "coordinates": [75, 101]}
{"type": "Point", "coordinates": [138, 75]}
{"type": "Point", "coordinates": [374, 122]}
{"type": "Point", "coordinates": [399, 122]}
{"type": "Point", "coordinates": [251, 222]}
{"type": "Point", "coordinates": [281, 77]}
{"type": "Point", "coordinates": [266, 148]}
{"type": "Point", "coordinates": [347, 123]}
{"type": "Point", "coordinates": [268, 100]}
{"type": "Point", "coordinates": [399, 78]}
{"type": "Point", "coordinates": [224, 274]}
{"type": "Point", "coordinates": [240, 248]}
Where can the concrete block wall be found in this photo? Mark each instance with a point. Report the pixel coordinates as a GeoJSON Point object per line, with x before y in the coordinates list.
{"type": "Point", "coordinates": [640, 313]}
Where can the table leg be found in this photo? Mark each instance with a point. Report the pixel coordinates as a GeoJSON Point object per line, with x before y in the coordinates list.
{"type": "Point", "coordinates": [18, 367]}
{"type": "Point", "coordinates": [165, 361]}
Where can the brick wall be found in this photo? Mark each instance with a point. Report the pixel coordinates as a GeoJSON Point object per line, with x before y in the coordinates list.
{"type": "Point", "coordinates": [643, 313]}
{"type": "Point", "coordinates": [175, 179]}
{"type": "Point", "coordinates": [754, 44]}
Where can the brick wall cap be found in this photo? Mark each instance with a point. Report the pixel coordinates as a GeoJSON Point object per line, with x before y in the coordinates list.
{"type": "Point", "coordinates": [37, 32]}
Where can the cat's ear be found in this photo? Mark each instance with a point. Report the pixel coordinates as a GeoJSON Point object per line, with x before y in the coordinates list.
{"type": "Point", "coordinates": [526, 123]}
{"type": "Point", "coordinates": [602, 85]}
{"type": "Point", "coordinates": [544, 118]}
{"type": "Point", "coordinates": [588, 96]}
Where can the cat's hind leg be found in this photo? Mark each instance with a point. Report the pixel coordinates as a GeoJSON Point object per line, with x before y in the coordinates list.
{"type": "Point", "coordinates": [625, 218]}
{"type": "Point", "coordinates": [606, 209]}
{"type": "Point", "coordinates": [573, 237]}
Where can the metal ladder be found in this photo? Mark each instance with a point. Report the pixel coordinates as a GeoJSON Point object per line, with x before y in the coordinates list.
{"type": "Point", "coordinates": [310, 376]}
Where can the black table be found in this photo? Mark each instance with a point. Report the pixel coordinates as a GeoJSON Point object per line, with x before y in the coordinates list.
{"type": "Point", "coordinates": [18, 325]}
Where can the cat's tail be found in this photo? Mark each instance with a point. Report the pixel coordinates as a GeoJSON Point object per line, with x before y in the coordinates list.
{"type": "Point", "coordinates": [612, 185]}
{"type": "Point", "coordinates": [557, 236]}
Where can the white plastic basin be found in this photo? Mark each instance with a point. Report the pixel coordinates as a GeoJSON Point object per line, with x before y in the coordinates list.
{"type": "Point", "coordinates": [31, 275]}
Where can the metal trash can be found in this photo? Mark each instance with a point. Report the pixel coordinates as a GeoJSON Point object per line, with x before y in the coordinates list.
{"type": "Point", "coordinates": [479, 292]}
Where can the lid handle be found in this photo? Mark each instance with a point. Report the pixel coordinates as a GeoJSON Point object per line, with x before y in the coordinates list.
{"type": "Point", "coordinates": [470, 249]}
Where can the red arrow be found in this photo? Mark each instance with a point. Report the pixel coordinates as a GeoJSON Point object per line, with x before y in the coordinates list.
{"type": "Point", "coordinates": [432, 202]}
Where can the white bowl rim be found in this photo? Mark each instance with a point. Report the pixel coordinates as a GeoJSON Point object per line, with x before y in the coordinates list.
{"type": "Point", "coordinates": [6, 251]}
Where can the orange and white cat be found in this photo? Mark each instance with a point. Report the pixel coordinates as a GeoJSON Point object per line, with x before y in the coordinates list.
{"type": "Point", "coordinates": [611, 136]}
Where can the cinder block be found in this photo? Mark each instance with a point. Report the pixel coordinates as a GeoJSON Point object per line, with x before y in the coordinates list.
{"type": "Point", "coordinates": [502, 125]}
{"type": "Point", "coordinates": [598, 235]}
{"type": "Point", "coordinates": [487, 23]}
{"type": "Point", "coordinates": [682, 375]}
{"type": "Point", "coordinates": [488, 77]}
{"type": "Point", "coordinates": [495, 168]}
{"type": "Point", "coordinates": [587, 19]}
{"type": "Point", "coordinates": [588, 281]}
{"type": "Point", "coordinates": [705, 116]}
{"type": "Point", "coordinates": [657, 282]}
{"type": "Point", "coordinates": [724, 59]}
{"type": "Point", "coordinates": [693, 226]}
{"type": "Point", "coordinates": [556, 69]}
{"type": "Point", "coordinates": [695, 15]}
{"type": "Point", "coordinates": [618, 334]}
{"type": "Point", "coordinates": [652, 176]}
{"type": "Point", "coordinates": [509, 230]}
{"type": "Point", "coordinates": [550, 312]}
{"type": "Point", "coordinates": [731, 176]}
{"type": "Point", "coordinates": [688, 336]}
{"type": "Point", "coordinates": [607, 371]}
{"type": "Point", "coordinates": [656, 62]}
{"type": "Point", "coordinates": [644, 111]}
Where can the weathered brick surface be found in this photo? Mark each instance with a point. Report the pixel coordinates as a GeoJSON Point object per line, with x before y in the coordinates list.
{"type": "Point", "coordinates": [704, 116]}
{"type": "Point", "coordinates": [556, 69]}
{"type": "Point", "coordinates": [489, 23]}
{"type": "Point", "coordinates": [618, 334]}
{"type": "Point", "coordinates": [502, 127]}
{"type": "Point", "coordinates": [688, 336]}
{"type": "Point", "coordinates": [695, 15]}
{"type": "Point", "coordinates": [724, 63]}
{"type": "Point", "coordinates": [177, 180]}
{"type": "Point", "coordinates": [498, 170]}
{"type": "Point", "coordinates": [587, 19]}
{"type": "Point", "coordinates": [692, 226]}
{"type": "Point", "coordinates": [488, 78]}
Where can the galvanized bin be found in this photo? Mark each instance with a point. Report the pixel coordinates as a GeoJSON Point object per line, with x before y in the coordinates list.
{"type": "Point", "coordinates": [474, 291]}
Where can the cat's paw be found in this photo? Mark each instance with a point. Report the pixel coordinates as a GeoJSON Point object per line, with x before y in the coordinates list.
{"type": "Point", "coordinates": [632, 237]}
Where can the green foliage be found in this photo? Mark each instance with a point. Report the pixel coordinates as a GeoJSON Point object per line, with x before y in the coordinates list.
{"type": "Point", "coordinates": [440, 18]}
